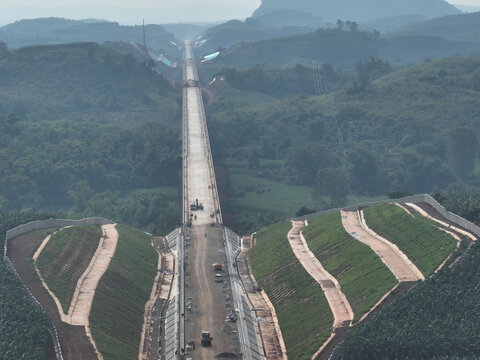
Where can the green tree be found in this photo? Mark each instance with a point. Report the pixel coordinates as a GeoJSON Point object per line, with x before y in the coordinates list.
{"type": "Point", "coordinates": [463, 146]}
{"type": "Point", "coordinates": [81, 195]}
{"type": "Point", "coordinates": [332, 182]}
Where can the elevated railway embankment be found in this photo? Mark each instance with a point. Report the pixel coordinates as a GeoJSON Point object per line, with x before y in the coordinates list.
{"type": "Point", "coordinates": [203, 296]}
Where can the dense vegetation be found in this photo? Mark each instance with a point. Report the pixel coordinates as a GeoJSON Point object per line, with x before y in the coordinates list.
{"type": "Point", "coordinates": [284, 82]}
{"type": "Point", "coordinates": [342, 46]}
{"type": "Point", "coordinates": [58, 31]}
{"type": "Point", "coordinates": [23, 324]}
{"type": "Point", "coordinates": [91, 133]}
{"type": "Point", "coordinates": [419, 238]}
{"type": "Point", "coordinates": [465, 205]}
{"type": "Point", "coordinates": [364, 278]}
{"type": "Point", "coordinates": [235, 31]}
{"type": "Point", "coordinates": [45, 82]}
{"type": "Point", "coordinates": [414, 129]}
{"type": "Point", "coordinates": [302, 309]}
{"type": "Point", "coordinates": [463, 27]}
{"type": "Point", "coordinates": [437, 319]}
{"type": "Point", "coordinates": [118, 307]}
{"type": "Point", "coordinates": [65, 258]}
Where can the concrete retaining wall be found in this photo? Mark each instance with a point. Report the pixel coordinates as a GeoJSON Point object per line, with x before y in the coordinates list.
{"type": "Point", "coordinates": [423, 198]}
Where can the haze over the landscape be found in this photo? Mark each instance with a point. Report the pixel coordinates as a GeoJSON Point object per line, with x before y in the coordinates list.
{"type": "Point", "coordinates": [240, 179]}
{"type": "Point", "coordinates": [155, 12]}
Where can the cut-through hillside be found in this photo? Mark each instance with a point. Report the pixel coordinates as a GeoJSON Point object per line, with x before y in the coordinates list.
{"type": "Point", "coordinates": [116, 317]}
{"type": "Point", "coordinates": [303, 312]}
{"type": "Point", "coordinates": [64, 259]}
{"type": "Point", "coordinates": [364, 278]}
{"type": "Point", "coordinates": [419, 238]}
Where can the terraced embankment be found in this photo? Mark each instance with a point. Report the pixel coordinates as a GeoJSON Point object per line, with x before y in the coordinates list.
{"type": "Point", "coordinates": [302, 309]}
{"type": "Point", "coordinates": [388, 252]}
{"type": "Point", "coordinates": [117, 313]}
{"type": "Point", "coordinates": [64, 259]}
{"type": "Point", "coordinates": [363, 277]}
{"type": "Point", "coordinates": [418, 237]}
{"type": "Point", "coordinates": [341, 309]}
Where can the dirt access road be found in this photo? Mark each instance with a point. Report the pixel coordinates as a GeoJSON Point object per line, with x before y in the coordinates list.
{"type": "Point", "coordinates": [204, 245]}
{"type": "Point", "coordinates": [341, 309]}
{"type": "Point", "coordinates": [398, 263]}
{"type": "Point", "coordinates": [73, 339]}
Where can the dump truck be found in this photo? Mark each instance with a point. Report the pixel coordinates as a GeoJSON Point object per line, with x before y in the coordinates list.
{"type": "Point", "coordinates": [217, 267]}
{"type": "Point", "coordinates": [206, 338]}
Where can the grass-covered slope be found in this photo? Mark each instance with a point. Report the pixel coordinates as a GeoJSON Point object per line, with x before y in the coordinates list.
{"type": "Point", "coordinates": [437, 319]}
{"type": "Point", "coordinates": [419, 238]}
{"type": "Point", "coordinates": [52, 81]}
{"type": "Point", "coordinates": [364, 278]}
{"type": "Point", "coordinates": [302, 309]}
{"type": "Point", "coordinates": [117, 312]}
{"type": "Point", "coordinates": [64, 259]}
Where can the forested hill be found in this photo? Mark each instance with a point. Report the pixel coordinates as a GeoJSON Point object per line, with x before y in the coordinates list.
{"type": "Point", "coordinates": [365, 10]}
{"type": "Point", "coordinates": [416, 129]}
{"type": "Point", "coordinates": [464, 27]}
{"type": "Point", "coordinates": [58, 31]}
{"type": "Point", "coordinates": [51, 81]}
{"type": "Point", "coordinates": [89, 131]}
{"type": "Point", "coordinates": [235, 31]}
{"type": "Point", "coordinates": [343, 46]}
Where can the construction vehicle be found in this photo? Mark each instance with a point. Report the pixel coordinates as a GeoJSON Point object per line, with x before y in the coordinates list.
{"type": "Point", "coordinates": [206, 338]}
{"type": "Point", "coordinates": [217, 267]}
{"type": "Point", "coordinates": [231, 316]}
{"type": "Point", "coordinates": [218, 278]}
{"type": "Point", "coordinates": [196, 206]}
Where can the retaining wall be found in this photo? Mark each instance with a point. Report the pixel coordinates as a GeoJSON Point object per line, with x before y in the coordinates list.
{"type": "Point", "coordinates": [423, 198]}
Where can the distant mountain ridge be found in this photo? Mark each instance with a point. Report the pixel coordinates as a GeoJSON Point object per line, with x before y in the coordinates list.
{"type": "Point", "coordinates": [48, 31]}
{"type": "Point", "coordinates": [463, 27]}
{"type": "Point", "coordinates": [365, 10]}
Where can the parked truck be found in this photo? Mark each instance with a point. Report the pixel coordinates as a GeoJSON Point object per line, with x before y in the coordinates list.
{"type": "Point", "coordinates": [217, 267]}
{"type": "Point", "coordinates": [206, 338]}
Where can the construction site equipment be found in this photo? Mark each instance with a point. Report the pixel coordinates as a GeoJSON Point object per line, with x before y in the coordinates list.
{"type": "Point", "coordinates": [231, 316]}
{"type": "Point", "coordinates": [217, 267]}
{"type": "Point", "coordinates": [218, 278]}
{"type": "Point", "coordinates": [196, 206]}
{"type": "Point", "coordinates": [206, 338]}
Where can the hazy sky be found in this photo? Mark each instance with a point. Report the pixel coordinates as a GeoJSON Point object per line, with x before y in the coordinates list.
{"type": "Point", "coordinates": [132, 12]}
